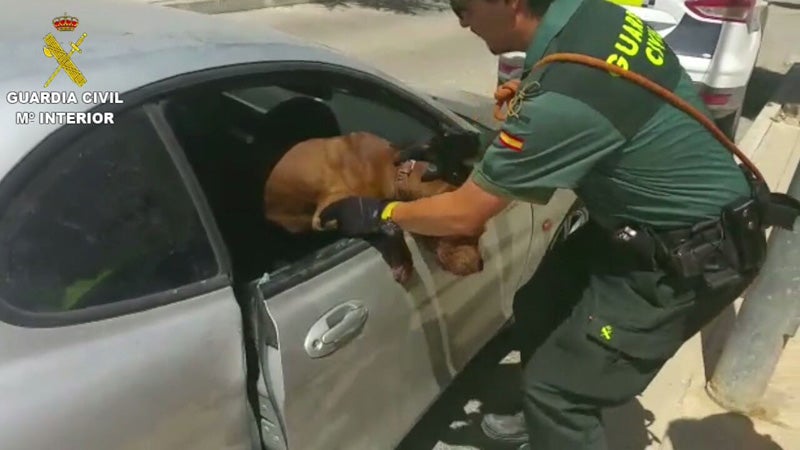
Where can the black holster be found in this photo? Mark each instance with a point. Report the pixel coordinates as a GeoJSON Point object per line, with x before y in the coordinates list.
{"type": "Point", "coordinates": [715, 253]}
{"type": "Point", "coordinates": [722, 251]}
{"type": "Point", "coordinates": [775, 209]}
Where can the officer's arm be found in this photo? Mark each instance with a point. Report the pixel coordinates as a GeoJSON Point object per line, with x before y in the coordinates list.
{"type": "Point", "coordinates": [464, 211]}
{"type": "Point", "coordinates": [551, 143]}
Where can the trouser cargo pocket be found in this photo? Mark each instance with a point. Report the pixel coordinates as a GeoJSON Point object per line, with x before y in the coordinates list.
{"type": "Point", "coordinates": [657, 344]}
{"type": "Point", "coordinates": [638, 315]}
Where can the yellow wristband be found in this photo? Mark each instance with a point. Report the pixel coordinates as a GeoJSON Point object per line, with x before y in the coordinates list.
{"type": "Point", "coordinates": [386, 214]}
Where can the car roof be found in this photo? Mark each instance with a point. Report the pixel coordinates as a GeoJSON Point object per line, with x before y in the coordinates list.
{"type": "Point", "coordinates": [128, 45]}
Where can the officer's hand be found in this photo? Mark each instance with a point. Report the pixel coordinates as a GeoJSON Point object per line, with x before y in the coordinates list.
{"type": "Point", "coordinates": [502, 96]}
{"type": "Point", "coordinates": [357, 216]}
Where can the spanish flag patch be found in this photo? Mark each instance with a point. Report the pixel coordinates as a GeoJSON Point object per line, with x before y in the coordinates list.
{"type": "Point", "coordinates": [510, 141]}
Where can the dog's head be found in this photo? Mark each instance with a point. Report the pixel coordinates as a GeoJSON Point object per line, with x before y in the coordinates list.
{"type": "Point", "coordinates": [414, 180]}
{"type": "Point", "coordinates": [445, 154]}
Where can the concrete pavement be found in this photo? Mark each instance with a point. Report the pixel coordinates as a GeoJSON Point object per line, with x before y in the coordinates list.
{"type": "Point", "coordinates": [773, 144]}
{"type": "Point", "coordinates": [417, 45]}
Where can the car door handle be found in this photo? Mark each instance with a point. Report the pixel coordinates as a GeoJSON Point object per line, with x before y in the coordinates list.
{"type": "Point", "coordinates": [336, 328]}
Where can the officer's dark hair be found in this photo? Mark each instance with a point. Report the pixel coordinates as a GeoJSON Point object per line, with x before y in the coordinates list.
{"type": "Point", "coordinates": [539, 7]}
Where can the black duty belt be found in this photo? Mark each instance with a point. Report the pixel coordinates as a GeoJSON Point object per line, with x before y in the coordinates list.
{"type": "Point", "coordinates": [720, 251]}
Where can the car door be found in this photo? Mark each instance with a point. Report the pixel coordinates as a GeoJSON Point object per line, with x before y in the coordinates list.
{"type": "Point", "coordinates": [118, 325]}
{"type": "Point", "coordinates": [472, 309]}
{"type": "Point", "coordinates": [541, 225]}
{"type": "Point", "coordinates": [351, 359]}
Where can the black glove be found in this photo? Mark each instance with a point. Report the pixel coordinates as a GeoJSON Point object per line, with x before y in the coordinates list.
{"type": "Point", "coordinates": [358, 216]}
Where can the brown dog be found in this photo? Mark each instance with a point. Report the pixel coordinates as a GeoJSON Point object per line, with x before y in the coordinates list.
{"type": "Point", "coordinates": [317, 172]}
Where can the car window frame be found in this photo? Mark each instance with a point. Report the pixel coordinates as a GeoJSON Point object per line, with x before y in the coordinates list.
{"type": "Point", "coordinates": [19, 176]}
{"type": "Point", "coordinates": [225, 78]}
{"type": "Point", "coordinates": [150, 97]}
{"type": "Point", "coordinates": [228, 77]}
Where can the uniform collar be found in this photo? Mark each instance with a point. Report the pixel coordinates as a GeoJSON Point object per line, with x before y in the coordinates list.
{"type": "Point", "coordinates": [557, 15]}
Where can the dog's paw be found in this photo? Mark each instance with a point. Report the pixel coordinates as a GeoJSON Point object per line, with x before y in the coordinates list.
{"type": "Point", "coordinates": [396, 254]}
{"type": "Point", "coordinates": [317, 225]}
{"type": "Point", "coordinates": [463, 269]}
{"type": "Point", "coordinates": [459, 258]}
{"type": "Point", "coordinates": [402, 273]}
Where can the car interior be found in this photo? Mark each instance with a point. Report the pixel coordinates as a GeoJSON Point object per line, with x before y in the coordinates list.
{"type": "Point", "coordinates": [232, 144]}
{"type": "Point", "coordinates": [234, 136]}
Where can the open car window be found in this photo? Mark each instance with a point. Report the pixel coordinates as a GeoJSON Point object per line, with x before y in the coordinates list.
{"type": "Point", "coordinates": [235, 131]}
{"type": "Point", "coordinates": [355, 110]}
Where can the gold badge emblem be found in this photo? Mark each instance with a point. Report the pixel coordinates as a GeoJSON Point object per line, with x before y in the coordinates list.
{"type": "Point", "coordinates": [54, 50]}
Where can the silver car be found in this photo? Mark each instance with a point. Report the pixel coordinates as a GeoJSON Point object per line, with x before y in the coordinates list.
{"type": "Point", "coordinates": [145, 304]}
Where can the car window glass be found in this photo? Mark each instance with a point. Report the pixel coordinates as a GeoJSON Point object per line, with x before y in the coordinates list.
{"type": "Point", "coordinates": [104, 219]}
{"type": "Point", "coordinates": [366, 109]}
{"type": "Point", "coordinates": [357, 112]}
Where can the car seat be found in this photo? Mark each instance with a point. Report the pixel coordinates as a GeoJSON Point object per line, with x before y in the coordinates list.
{"type": "Point", "coordinates": [233, 148]}
{"type": "Point", "coordinates": [256, 244]}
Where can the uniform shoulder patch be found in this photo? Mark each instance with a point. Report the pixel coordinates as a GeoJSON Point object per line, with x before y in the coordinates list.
{"type": "Point", "coordinates": [525, 92]}
{"type": "Point", "coordinates": [510, 141]}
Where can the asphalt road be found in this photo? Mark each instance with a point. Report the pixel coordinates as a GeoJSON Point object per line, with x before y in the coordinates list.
{"type": "Point", "coordinates": [420, 42]}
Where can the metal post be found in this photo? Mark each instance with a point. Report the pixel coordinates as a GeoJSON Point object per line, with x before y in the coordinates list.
{"type": "Point", "coordinates": [768, 317]}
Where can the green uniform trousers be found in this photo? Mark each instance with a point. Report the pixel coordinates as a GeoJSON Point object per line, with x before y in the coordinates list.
{"type": "Point", "coordinates": [593, 331]}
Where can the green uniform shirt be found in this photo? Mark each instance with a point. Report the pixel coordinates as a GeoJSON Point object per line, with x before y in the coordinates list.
{"type": "Point", "coordinates": [630, 156]}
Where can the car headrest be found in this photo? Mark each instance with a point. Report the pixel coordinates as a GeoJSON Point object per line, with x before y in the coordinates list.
{"type": "Point", "coordinates": [296, 120]}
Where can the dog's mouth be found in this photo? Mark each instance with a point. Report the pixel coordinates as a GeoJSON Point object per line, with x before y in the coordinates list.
{"type": "Point", "coordinates": [402, 188]}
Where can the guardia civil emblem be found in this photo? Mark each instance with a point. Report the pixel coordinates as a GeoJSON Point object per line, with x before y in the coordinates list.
{"type": "Point", "coordinates": [53, 49]}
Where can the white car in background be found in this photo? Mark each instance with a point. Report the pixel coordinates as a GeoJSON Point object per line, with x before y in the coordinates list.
{"type": "Point", "coordinates": [717, 42]}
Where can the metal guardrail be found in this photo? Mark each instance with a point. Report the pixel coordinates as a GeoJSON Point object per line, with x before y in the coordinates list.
{"type": "Point", "coordinates": [770, 313]}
